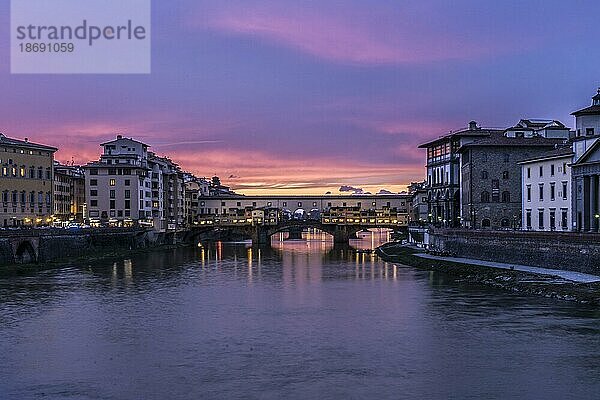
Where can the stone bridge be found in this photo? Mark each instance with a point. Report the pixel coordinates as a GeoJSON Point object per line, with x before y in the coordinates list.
{"type": "Point", "coordinates": [261, 233]}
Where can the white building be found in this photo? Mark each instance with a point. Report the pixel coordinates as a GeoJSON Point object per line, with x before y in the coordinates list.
{"type": "Point", "coordinates": [131, 186]}
{"type": "Point", "coordinates": [546, 189]}
{"type": "Point", "coordinates": [119, 185]}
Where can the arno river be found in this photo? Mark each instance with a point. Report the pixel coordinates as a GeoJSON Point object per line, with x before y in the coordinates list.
{"type": "Point", "coordinates": [302, 320]}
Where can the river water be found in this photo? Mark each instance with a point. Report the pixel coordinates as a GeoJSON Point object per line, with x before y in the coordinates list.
{"type": "Point", "coordinates": [301, 320]}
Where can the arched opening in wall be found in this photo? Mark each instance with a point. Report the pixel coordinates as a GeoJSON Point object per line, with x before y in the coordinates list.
{"type": "Point", "coordinates": [314, 214]}
{"type": "Point", "coordinates": [505, 223]}
{"type": "Point", "coordinates": [286, 214]}
{"type": "Point", "coordinates": [486, 223]}
{"type": "Point", "coordinates": [299, 214]}
{"type": "Point", "coordinates": [25, 253]}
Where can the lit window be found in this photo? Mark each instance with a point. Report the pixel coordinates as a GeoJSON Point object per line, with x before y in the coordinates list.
{"type": "Point", "coordinates": [113, 182]}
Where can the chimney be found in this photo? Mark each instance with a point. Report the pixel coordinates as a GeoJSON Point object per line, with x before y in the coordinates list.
{"type": "Point", "coordinates": [473, 126]}
{"type": "Point", "coordinates": [119, 136]}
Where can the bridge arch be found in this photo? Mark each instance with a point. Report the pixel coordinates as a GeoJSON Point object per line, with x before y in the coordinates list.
{"type": "Point", "coordinates": [25, 253]}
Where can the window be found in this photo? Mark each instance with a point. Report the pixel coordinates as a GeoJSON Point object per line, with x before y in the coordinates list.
{"type": "Point", "coordinates": [505, 175]}
{"type": "Point", "coordinates": [552, 192]}
{"type": "Point", "coordinates": [112, 194]}
{"type": "Point", "coordinates": [541, 219]}
{"type": "Point", "coordinates": [541, 171]}
{"type": "Point", "coordinates": [552, 170]}
{"type": "Point", "coordinates": [112, 182]}
{"type": "Point", "coordinates": [269, 204]}
{"type": "Point", "coordinates": [528, 219]}
{"type": "Point", "coordinates": [239, 203]}
{"type": "Point", "coordinates": [94, 203]}
{"type": "Point", "coordinates": [563, 219]}
{"type": "Point", "coordinates": [484, 174]}
{"type": "Point", "coordinates": [495, 197]}
{"type": "Point", "coordinates": [485, 197]}
{"type": "Point", "coordinates": [299, 204]}
{"type": "Point", "coordinates": [506, 197]}
{"type": "Point", "coordinates": [589, 131]}
{"type": "Point", "coordinates": [93, 192]}
{"type": "Point", "coordinates": [486, 223]}
{"type": "Point", "coordinates": [505, 223]}
{"type": "Point", "coordinates": [93, 182]}
{"type": "Point", "coordinates": [93, 171]}
{"type": "Point", "coordinates": [552, 220]}
{"type": "Point", "coordinates": [127, 204]}
{"type": "Point", "coordinates": [564, 168]}
{"type": "Point", "coordinates": [127, 182]}
{"type": "Point", "coordinates": [495, 184]}
{"type": "Point", "coordinates": [564, 190]}
{"type": "Point", "coordinates": [541, 192]}
{"type": "Point", "coordinates": [112, 205]}
{"type": "Point", "coordinates": [127, 194]}
{"type": "Point", "coordinates": [285, 203]}
{"type": "Point", "coordinates": [528, 192]}
{"type": "Point", "coordinates": [528, 172]}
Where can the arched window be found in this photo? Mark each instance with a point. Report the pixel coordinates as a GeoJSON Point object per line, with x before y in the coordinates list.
{"type": "Point", "coordinates": [484, 174]}
{"type": "Point", "coordinates": [485, 197]}
{"type": "Point", "coordinates": [505, 175]}
{"type": "Point", "coordinates": [506, 197]}
{"type": "Point", "coordinates": [486, 223]}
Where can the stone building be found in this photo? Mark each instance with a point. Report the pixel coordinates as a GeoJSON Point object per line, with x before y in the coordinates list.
{"type": "Point", "coordinates": [546, 190]}
{"type": "Point", "coordinates": [491, 178]}
{"type": "Point", "coordinates": [586, 168]}
{"type": "Point", "coordinates": [25, 182]}
{"type": "Point", "coordinates": [69, 193]}
{"type": "Point", "coordinates": [443, 173]}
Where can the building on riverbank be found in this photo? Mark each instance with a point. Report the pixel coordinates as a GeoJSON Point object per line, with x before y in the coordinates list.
{"type": "Point", "coordinates": [26, 177]}
{"type": "Point", "coordinates": [130, 185]}
{"type": "Point", "coordinates": [546, 190]}
{"type": "Point", "coordinates": [69, 193]}
{"type": "Point", "coordinates": [491, 178]}
{"type": "Point", "coordinates": [586, 168]}
{"type": "Point", "coordinates": [443, 173]}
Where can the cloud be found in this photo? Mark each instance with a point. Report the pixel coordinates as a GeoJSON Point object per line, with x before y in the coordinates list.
{"type": "Point", "coordinates": [351, 35]}
{"type": "Point", "coordinates": [346, 188]}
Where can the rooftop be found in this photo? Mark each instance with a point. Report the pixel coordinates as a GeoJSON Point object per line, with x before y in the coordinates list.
{"type": "Point", "coordinates": [558, 152]}
{"type": "Point", "coordinates": [472, 130]}
{"type": "Point", "coordinates": [25, 143]}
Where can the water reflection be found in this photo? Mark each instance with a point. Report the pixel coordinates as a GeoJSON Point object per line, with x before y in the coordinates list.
{"type": "Point", "coordinates": [299, 319]}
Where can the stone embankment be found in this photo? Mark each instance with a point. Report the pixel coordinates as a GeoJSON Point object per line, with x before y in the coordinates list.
{"type": "Point", "coordinates": [510, 280]}
{"type": "Point", "coordinates": [42, 247]}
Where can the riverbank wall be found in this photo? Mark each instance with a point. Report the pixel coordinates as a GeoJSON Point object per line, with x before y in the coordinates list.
{"type": "Point", "coordinates": [41, 246]}
{"type": "Point", "coordinates": [572, 251]}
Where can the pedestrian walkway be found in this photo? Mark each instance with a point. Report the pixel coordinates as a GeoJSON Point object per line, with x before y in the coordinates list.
{"type": "Point", "coordinates": [568, 275]}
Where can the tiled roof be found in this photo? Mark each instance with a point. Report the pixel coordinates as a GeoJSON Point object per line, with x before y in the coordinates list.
{"type": "Point", "coordinates": [591, 110]}
{"type": "Point", "coordinates": [560, 151]}
{"type": "Point", "coordinates": [25, 143]}
{"type": "Point", "coordinates": [479, 132]}
{"type": "Point", "coordinates": [501, 140]}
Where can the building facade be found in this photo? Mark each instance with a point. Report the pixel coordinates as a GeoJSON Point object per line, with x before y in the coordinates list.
{"type": "Point", "coordinates": [546, 191]}
{"type": "Point", "coordinates": [586, 168]}
{"type": "Point", "coordinates": [118, 186]}
{"type": "Point", "coordinates": [444, 174]}
{"type": "Point", "coordinates": [26, 178]}
{"type": "Point", "coordinates": [69, 193]}
{"type": "Point", "coordinates": [491, 179]}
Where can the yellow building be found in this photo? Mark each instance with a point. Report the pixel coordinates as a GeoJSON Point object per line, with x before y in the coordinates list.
{"type": "Point", "coordinates": [26, 173]}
